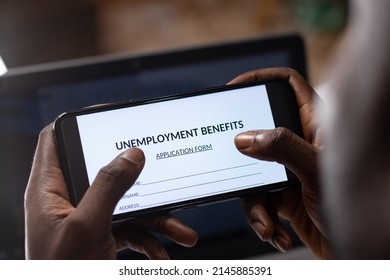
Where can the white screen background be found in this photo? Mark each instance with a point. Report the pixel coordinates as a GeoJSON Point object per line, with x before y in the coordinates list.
{"type": "Point", "coordinates": [218, 169]}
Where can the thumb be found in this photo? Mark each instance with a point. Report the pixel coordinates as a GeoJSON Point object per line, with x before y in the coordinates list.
{"type": "Point", "coordinates": [110, 184]}
{"type": "Point", "coordinates": [283, 146]}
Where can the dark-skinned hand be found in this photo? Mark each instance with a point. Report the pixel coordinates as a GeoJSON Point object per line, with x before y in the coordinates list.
{"type": "Point", "coordinates": [55, 229]}
{"type": "Point", "coordinates": [299, 205]}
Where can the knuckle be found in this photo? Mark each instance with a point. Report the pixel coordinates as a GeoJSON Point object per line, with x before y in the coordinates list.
{"type": "Point", "coordinates": [113, 172]}
{"type": "Point", "coordinates": [279, 143]}
{"type": "Point", "coordinates": [289, 71]}
{"type": "Point", "coordinates": [162, 223]}
{"type": "Point", "coordinates": [282, 137]}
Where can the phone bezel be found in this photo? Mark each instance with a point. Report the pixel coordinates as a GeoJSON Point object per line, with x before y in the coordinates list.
{"type": "Point", "coordinates": [284, 111]}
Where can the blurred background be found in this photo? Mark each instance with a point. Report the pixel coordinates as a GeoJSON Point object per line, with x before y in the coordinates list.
{"type": "Point", "coordinates": [43, 31]}
{"type": "Point", "coordinates": [40, 31]}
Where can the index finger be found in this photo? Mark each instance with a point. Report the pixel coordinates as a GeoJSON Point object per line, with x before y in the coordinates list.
{"type": "Point", "coordinates": [305, 95]}
{"type": "Point", "coordinates": [297, 82]}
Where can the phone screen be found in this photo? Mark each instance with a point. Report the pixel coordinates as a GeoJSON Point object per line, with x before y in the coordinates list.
{"type": "Point", "coordinates": [188, 145]}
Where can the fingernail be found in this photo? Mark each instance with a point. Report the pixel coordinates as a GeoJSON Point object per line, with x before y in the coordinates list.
{"type": "Point", "coordinates": [191, 239]}
{"type": "Point", "coordinates": [282, 243]}
{"type": "Point", "coordinates": [164, 254]}
{"type": "Point", "coordinates": [245, 140]}
{"type": "Point", "coordinates": [134, 155]}
{"type": "Point", "coordinates": [259, 228]}
{"type": "Point", "coordinates": [184, 235]}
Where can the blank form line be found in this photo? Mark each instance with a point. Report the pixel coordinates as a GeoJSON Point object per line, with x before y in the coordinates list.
{"type": "Point", "coordinates": [198, 174]}
{"type": "Point", "coordinates": [201, 196]}
{"type": "Point", "coordinates": [202, 184]}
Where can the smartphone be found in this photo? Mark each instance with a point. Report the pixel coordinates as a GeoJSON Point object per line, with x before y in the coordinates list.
{"type": "Point", "coordinates": [188, 141]}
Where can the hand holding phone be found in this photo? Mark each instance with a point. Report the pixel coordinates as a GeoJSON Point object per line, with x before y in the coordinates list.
{"type": "Point", "coordinates": [188, 141]}
{"type": "Point", "coordinates": [301, 206]}
{"type": "Point", "coordinates": [56, 230]}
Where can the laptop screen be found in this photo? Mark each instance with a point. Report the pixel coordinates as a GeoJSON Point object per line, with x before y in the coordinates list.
{"type": "Point", "coordinates": [32, 97]}
{"type": "Point", "coordinates": [150, 82]}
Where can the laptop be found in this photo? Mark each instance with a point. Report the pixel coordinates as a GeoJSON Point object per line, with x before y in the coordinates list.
{"type": "Point", "coordinates": [31, 97]}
